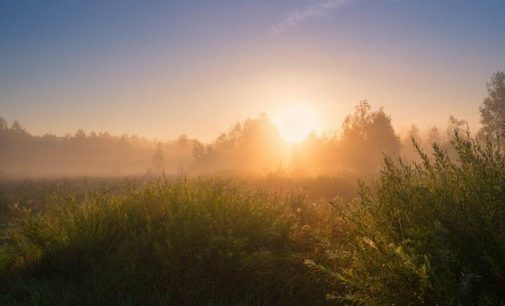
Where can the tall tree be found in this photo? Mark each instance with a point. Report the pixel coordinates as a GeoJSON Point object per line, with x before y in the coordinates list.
{"type": "Point", "coordinates": [492, 110]}
{"type": "Point", "coordinates": [366, 136]}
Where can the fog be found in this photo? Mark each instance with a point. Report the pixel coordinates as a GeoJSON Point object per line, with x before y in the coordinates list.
{"type": "Point", "coordinates": [252, 147]}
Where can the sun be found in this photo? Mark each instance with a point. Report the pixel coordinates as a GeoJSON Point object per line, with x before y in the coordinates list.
{"type": "Point", "coordinates": [295, 121]}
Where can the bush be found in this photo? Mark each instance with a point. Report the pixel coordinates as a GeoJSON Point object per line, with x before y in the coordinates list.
{"type": "Point", "coordinates": [431, 233]}
{"type": "Point", "coordinates": [428, 233]}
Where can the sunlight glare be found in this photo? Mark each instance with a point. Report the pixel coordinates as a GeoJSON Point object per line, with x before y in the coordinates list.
{"type": "Point", "coordinates": [295, 121]}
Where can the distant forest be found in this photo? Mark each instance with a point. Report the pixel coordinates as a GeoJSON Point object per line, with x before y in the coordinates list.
{"type": "Point", "coordinates": [250, 147]}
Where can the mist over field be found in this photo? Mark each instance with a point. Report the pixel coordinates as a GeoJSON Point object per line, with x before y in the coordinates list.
{"type": "Point", "coordinates": [288, 152]}
{"type": "Point", "coordinates": [252, 147]}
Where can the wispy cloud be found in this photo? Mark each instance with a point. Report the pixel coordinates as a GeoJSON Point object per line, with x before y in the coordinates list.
{"type": "Point", "coordinates": [315, 9]}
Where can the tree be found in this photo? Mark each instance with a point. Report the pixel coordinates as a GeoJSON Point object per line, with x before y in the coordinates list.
{"type": "Point", "coordinates": [3, 124]}
{"type": "Point", "coordinates": [158, 158]}
{"type": "Point", "coordinates": [492, 110]}
{"type": "Point", "coordinates": [367, 135]}
{"type": "Point", "coordinates": [252, 145]}
{"type": "Point", "coordinates": [17, 128]}
{"type": "Point", "coordinates": [80, 134]}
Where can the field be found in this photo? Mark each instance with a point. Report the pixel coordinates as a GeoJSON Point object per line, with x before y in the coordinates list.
{"type": "Point", "coordinates": [252, 153]}
{"type": "Point", "coordinates": [431, 233]}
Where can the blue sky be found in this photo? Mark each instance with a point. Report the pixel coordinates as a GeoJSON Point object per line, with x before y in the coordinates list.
{"type": "Point", "coordinates": [162, 68]}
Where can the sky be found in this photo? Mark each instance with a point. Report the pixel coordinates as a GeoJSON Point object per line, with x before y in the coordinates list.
{"type": "Point", "coordinates": [163, 68]}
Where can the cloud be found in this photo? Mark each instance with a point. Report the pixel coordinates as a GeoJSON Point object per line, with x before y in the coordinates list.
{"type": "Point", "coordinates": [316, 9]}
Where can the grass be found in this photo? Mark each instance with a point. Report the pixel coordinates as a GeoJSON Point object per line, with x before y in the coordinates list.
{"type": "Point", "coordinates": [171, 242]}
{"type": "Point", "coordinates": [431, 233]}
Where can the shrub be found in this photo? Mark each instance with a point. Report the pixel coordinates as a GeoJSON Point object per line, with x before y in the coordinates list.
{"type": "Point", "coordinates": [431, 233]}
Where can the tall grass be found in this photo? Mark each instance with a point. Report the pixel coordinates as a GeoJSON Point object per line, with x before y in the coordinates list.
{"type": "Point", "coordinates": [170, 243]}
{"type": "Point", "coordinates": [431, 233]}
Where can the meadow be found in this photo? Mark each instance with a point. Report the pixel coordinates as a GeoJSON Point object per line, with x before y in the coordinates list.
{"type": "Point", "coordinates": [252, 153]}
{"type": "Point", "coordinates": [430, 232]}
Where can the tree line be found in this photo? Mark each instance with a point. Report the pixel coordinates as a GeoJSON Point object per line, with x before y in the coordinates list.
{"type": "Point", "coordinates": [252, 146]}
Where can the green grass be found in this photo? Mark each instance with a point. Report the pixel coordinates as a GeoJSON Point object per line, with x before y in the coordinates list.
{"type": "Point", "coordinates": [172, 242]}
{"type": "Point", "coordinates": [431, 233]}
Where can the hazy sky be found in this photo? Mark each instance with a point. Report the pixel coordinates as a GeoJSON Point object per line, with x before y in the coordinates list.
{"type": "Point", "coordinates": [162, 68]}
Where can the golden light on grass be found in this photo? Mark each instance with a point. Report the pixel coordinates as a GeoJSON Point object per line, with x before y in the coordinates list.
{"type": "Point", "coordinates": [295, 121]}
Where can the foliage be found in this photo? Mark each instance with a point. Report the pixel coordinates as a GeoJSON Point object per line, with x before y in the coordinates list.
{"type": "Point", "coordinates": [367, 135]}
{"type": "Point", "coordinates": [169, 243]}
{"type": "Point", "coordinates": [426, 233]}
{"type": "Point", "coordinates": [432, 233]}
{"type": "Point", "coordinates": [25, 155]}
{"type": "Point", "coordinates": [492, 110]}
{"type": "Point", "coordinates": [253, 146]}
